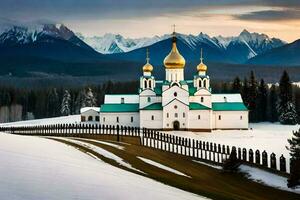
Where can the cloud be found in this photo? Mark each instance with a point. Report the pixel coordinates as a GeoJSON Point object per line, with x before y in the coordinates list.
{"type": "Point", "coordinates": [271, 15]}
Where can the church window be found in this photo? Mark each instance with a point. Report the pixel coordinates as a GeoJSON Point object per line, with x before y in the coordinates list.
{"type": "Point", "coordinates": [97, 119]}
{"type": "Point", "coordinates": [220, 117]}
{"type": "Point", "coordinates": [150, 83]}
{"type": "Point", "coordinates": [152, 117]}
{"type": "Point", "coordinates": [83, 118]}
{"type": "Point", "coordinates": [199, 117]}
{"type": "Point", "coordinates": [175, 94]}
{"type": "Point", "coordinates": [241, 117]}
{"type": "Point", "coordinates": [90, 118]}
{"type": "Point", "coordinates": [183, 115]}
{"type": "Point", "coordinates": [175, 107]}
{"type": "Point", "coordinates": [122, 100]}
{"type": "Point", "coordinates": [145, 84]}
{"type": "Point", "coordinates": [167, 115]}
{"type": "Point", "coordinates": [176, 115]}
{"type": "Point", "coordinates": [103, 119]}
{"type": "Point", "coordinates": [131, 119]}
{"type": "Point", "coordinates": [117, 119]}
{"type": "Point", "coordinates": [204, 83]}
{"type": "Point", "coordinates": [225, 99]}
{"type": "Point", "coordinates": [149, 99]}
{"type": "Point", "coordinates": [167, 125]}
{"type": "Point", "coordinates": [202, 99]}
{"type": "Point", "coordinates": [200, 83]}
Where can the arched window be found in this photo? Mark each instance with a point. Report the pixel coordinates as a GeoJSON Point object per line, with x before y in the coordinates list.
{"type": "Point", "coordinates": [183, 115]}
{"type": "Point", "coordinates": [200, 83]}
{"type": "Point", "coordinates": [241, 117]}
{"type": "Point", "coordinates": [117, 119]}
{"type": "Point", "coordinates": [131, 119]}
{"type": "Point", "coordinates": [145, 84]}
{"type": "Point", "coordinates": [90, 118]}
{"type": "Point", "coordinates": [175, 94]}
{"type": "Point", "coordinates": [220, 117]}
{"type": "Point", "coordinates": [199, 117]}
{"type": "Point", "coordinates": [176, 115]}
{"type": "Point", "coordinates": [103, 119]}
{"type": "Point", "coordinates": [149, 99]}
{"type": "Point", "coordinates": [204, 83]}
{"type": "Point", "coordinates": [152, 117]}
{"type": "Point", "coordinates": [167, 115]}
{"type": "Point", "coordinates": [202, 99]}
{"type": "Point", "coordinates": [150, 86]}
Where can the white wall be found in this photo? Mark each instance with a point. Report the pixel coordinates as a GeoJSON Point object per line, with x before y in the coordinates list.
{"type": "Point", "coordinates": [109, 98]}
{"type": "Point", "coordinates": [88, 113]}
{"type": "Point", "coordinates": [203, 123]}
{"type": "Point", "coordinates": [144, 98]}
{"type": "Point", "coordinates": [146, 119]}
{"type": "Point", "coordinates": [230, 120]}
{"type": "Point", "coordinates": [124, 119]}
{"type": "Point", "coordinates": [168, 95]}
{"type": "Point", "coordinates": [175, 75]}
{"type": "Point", "coordinates": [170, 108]}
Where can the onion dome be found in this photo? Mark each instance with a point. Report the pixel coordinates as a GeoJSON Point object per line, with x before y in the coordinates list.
{"type": "Point", "coordinates": [174, 60]}
{"type": "Point", "coordinates": [201, 67]}
{"type": "Point", "coordinates": [147, 67]}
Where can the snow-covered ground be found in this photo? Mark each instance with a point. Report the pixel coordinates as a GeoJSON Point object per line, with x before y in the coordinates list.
{"type": "Point", "coordinates": [267, 178]}
{"type": "Point", "coordinates": [46, 121]}
{"type": "Point", "coordinates": [263, 136]}
{"type": "Point", "coordinates": [34, 168]}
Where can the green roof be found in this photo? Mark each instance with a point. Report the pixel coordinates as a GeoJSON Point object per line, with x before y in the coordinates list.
{"type": "Point", "coordinates": [197, 106]}
{"type": "Point", "coordinates": [126, 107]}
{"type": "Point", "coordinates": [154, 106]}
{"type": "Point", "coordinates": [229, 106]}
{"type": "Point", "coordinates": [192, 90]}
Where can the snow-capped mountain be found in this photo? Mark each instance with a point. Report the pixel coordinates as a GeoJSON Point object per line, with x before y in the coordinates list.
{"type": "Point", "coordinates": [21, 35]}
{"type": "Point", "coordinates": [116, 43]}
{"type": "Point", "coordinates": [241, 48]}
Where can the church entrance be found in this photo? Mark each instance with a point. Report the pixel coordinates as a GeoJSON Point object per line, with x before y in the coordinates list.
{"type": "Point", "coordinates": [176, 125]}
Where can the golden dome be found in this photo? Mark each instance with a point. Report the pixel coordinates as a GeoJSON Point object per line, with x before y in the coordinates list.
{"type": "Point", "coordinates": [147, 67]}
{"type": "Point", "coordinates": [201, 67]}
{"type": "Point", "coordinates": [174, 60]}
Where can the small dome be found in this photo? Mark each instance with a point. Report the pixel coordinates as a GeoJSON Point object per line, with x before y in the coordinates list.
{"type": "Point", "coordinates": [202, 67]}
{"type": "Point", "coordinates": [174, 60]}
{"type": "Point", "coordinates": [147, 67]}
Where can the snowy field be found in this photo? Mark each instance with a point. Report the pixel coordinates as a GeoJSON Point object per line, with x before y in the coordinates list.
{"type": "Point", "coordinates": [46, 121]}
{"type": "Point", "coordinates": [263, 136]}
{"type": "Point", "coordinates": [34, 168]}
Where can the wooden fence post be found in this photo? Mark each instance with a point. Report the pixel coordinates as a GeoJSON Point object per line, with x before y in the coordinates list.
{"type": "Point", "coordinates": [282, 161]}
{"type": "Point", "coordinates": [273, 161]}
{"type": "Point", "coordinates": [264, 159]}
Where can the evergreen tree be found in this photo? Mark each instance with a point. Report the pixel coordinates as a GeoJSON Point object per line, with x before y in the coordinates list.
{"type": "Point", "coordinates": [272, 114]}
{"type": "Point", "coordinates": [53, 103]}
{"type": "Point", "coordinates": [245, 91]}
{"type": "Point", "coordinates": [252, 95]}
{"type": "Point", "coordinates": [294, 149]}
{"type": "Point", "coordinates": [236, 85]}
{"type": "Point", "coordinates": [79, 102]}
{"type": "Point", "coordinates": [262, 101]}
{"type": "Point", "coordinates": [232, 163]}
{"type": "Point", "coordinates": [285, 106]}
{"type": "Point", "coordinates": [90, 100]}
{"type": "Point", "coordinates": [66, 104]}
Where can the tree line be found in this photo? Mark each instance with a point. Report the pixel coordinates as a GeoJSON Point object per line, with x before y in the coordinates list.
{"type": "Point", "coordinates": [276, 102]}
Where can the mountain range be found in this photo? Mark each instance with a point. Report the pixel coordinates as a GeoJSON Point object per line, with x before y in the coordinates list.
{"type": "Point", "coordinates": [55, 49]}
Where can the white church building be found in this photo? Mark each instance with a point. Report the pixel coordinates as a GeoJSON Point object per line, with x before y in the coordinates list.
{"type": "Point", "coordinates": [175, 103]}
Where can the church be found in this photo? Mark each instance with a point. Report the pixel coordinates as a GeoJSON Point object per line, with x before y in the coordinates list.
{"type": "Point", "coordinates": [175, 103]}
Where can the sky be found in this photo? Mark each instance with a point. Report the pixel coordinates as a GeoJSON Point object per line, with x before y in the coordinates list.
{"type": "Point", "coordinates": [146, 18]}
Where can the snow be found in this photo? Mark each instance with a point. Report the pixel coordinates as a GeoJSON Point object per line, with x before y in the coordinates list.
{"type": "Point", "coordinates": [267, 178]}
{"type": "Point", "coordinates": [228, 97]}
{"type": "Point", "coordinates": [262, 136]}
{"type": "Point", "coordinates": [46, 121]}
{"type": "Point", "coordinates": [209, 165]}
{"type": "Point", "coordinates": [156, 164]}
{"type": "Point", "coordinates": [34, 168]}
{"type": "Point", "coordinates": [103, 152]}
{"type": "Point", "coordinates": [82, 110]}
{"type": "Point", "coordinates": [105, 143]}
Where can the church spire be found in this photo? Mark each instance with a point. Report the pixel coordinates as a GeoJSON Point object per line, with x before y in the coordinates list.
{"type": "Point", "coordinates": [147, 68]}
